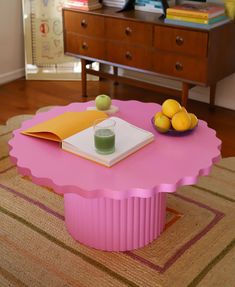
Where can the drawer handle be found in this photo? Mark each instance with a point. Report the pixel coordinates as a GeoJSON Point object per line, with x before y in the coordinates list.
{"type": "Point", "coordinates": [128, 31]}
{"type": "Point", "coordinates": [84, 46]}
{"type": "Point", "coordinates": [179, 40]}
{"type": "Point", "coordinates": [84, 23]}
{"type": "Point", "coordinates": [179, 66]}
{"type": "Point", "coordinates": [128, 56]}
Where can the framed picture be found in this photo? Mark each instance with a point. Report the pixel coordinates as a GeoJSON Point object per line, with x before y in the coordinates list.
{"type": "Point", "coordinates": [43, 39]}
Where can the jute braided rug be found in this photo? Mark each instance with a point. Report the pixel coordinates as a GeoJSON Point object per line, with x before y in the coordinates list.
{"type": "Point", "coordinates": [196, 248]}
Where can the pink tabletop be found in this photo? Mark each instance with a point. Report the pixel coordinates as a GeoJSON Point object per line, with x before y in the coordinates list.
{"type": "Point", "coordinates": [161, 166]}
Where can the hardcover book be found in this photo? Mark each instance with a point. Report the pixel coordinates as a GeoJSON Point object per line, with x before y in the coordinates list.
{"type": "Point", "coordinates": [128, 139]}
{"type": "Point", "coordinates": [197, 20]}
{"type": "Point", "coordinates": [74, 130]}
{"type": "Point", "coordinates": [197, 25]}
{"type": "Point", "coordinates": [83, 4]}
{"type": "Point", "coordinates": [64, 125]}
{"type": "Point", "coordinates": [199, 10]}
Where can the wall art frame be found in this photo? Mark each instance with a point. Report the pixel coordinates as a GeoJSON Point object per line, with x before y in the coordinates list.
{"type": "Point", "coordinates": [43, 40]}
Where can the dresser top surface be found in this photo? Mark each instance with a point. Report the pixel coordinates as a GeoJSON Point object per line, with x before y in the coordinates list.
{"type": "Point", "coordinates": [139, 16]}
{"type": "Point", "coordinates": [127, 15]}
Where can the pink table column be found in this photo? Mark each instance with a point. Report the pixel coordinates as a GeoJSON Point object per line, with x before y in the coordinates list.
{"type": "Point", "coordinates": [115, 224]}
{"type": "Point", "coordinates": [122, 207]}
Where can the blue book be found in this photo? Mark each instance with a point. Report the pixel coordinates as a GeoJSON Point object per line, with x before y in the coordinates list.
{"type": "Point", "coordinates": [197, 25]}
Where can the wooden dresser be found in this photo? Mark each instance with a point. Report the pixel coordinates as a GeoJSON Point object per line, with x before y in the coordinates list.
{"type": "Point", "coordinates": [140, 41]}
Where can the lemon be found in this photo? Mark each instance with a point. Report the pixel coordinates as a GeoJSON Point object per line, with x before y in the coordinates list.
{"type": "Point", "coordinates": [162, 122]}
{"type": "Point", "coordinates": [181, 121]}
{"type": "Point", "coordinates": [170, 107]}
{"type": "Point", "coordinates": [194, 120]}
{"type": "Point", "coordinates": [183, 109]}
{"type": "Point", "coordinates": [158, 114]}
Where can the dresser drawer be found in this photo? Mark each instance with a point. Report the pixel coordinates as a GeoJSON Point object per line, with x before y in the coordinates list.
{"type": "Point", "coordinates": [82, 23]}
{"type": "Point", "coordinates": [129, 31]}
{"type": "Point", "coordinates": [129, 55]}
{"type": "Point", "coordinates": [189, 42]}
{"type": "Point", "coordinates": [176, 65]}
{"type": "Point", "coordinates": [84, 46]}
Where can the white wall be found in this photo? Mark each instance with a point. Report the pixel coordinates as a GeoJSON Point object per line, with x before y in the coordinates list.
{"type": "Point", "coordinates": [225, 91]}
{"type": "Point", "coordinates": [11, 41]}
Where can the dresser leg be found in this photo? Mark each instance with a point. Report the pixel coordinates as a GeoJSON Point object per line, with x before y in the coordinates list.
{"type": "Point", "coordinates": [212, 96]}
{"type": "Point", "coordinates": [115, 72]}
{"type": "Point", "coordinates": [84, 78]}
{"type": "Point", "coordinates": [184, 94]}
{"type": "Point", "coordinates": [101, 68]}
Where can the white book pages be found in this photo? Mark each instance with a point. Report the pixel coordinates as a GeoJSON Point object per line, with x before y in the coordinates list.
{"type": "Point", "coordinates": [128, 139]}
{"type": "Point", "coordinates": [114, 3]}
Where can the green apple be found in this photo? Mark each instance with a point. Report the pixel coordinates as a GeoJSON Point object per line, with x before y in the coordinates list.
{"type": "Point", "coordinates": [103, 102]}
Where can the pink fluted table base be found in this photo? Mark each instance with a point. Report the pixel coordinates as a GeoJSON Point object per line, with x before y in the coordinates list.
{"type": "Point", "coordinates": [115, 225]}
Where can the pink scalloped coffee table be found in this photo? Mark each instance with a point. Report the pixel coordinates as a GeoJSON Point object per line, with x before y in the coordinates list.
{"type": "Point", "coordinates": [122, 207]}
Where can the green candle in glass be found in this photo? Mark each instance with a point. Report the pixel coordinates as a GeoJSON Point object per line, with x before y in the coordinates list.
{"type": "Point", "coordinates": [104, 136]}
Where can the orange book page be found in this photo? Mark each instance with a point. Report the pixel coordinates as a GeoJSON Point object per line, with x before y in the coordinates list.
{"type": "Point", "coordinates": [64, 125]}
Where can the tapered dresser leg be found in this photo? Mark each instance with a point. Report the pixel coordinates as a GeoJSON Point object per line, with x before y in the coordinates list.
{"type": "Point", "coordinates": [84, 78]}
{"type": "Point", "coordinates": [115, 72]}
{"type": "Point", "coordinates": [184, 94]}
{"type": "Point", "coordinates": [212, 96]}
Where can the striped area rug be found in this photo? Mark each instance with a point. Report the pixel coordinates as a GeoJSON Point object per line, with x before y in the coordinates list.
{"type": "Point", "coordinates": [196, 248]}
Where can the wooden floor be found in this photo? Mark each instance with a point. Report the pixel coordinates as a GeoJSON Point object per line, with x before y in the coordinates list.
{"type": "Point", "coordinates": [25, 97]}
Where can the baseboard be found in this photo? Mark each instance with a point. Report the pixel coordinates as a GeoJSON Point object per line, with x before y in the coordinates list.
{"type": "Point", "coordinates": [11, 76]}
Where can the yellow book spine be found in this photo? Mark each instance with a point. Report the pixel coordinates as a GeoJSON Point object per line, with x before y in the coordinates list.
{"type": "Point", "coordinates": [172, 11]}
{"type": "Point", "coordinates": [188, 19]}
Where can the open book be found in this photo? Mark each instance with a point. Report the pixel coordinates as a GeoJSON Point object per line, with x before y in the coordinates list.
{"type": "Point", "coordinates": [128, 139]}
{"type": "Point", "coordinates": [75, 132]}
{"type": "Point", "coordinates": [64, 125]}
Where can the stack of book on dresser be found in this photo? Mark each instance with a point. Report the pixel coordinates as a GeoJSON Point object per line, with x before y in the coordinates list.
{"type": "Point", "coordinates": [83, 4]}
{"type": "Point", "coordinates": [151, 5]}
{"type": "Point", "coordinates": [197, 15]}
{"type": "Point", "coordinates": [114, 3]}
